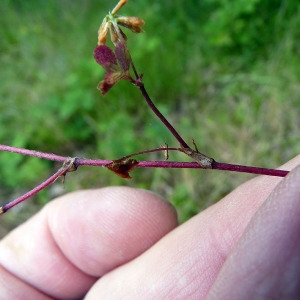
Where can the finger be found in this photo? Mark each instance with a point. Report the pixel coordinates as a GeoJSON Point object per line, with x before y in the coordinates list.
{"type": "Point", "coordinates": [185, 263]}
{"type": "Point", "coordinates": [17, 290]}
{"type": "Point", "coordinates": [82, 236]}
{"type": "Point", "coordinates": [266, 263]}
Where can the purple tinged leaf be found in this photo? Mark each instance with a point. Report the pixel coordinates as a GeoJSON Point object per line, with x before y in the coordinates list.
{"type": "Point", "coordinates": [123, 56]}
{"type": "Point", "coordinates": [110, 79]}
{"type": "Point", "coordinates": [104, 87]}
{"type": "Point", "coordinates": [113, 34]}
{"type": "Point", "coordinates": [109, 61]}
{"type": "Point", "coordinates": [105, 57]}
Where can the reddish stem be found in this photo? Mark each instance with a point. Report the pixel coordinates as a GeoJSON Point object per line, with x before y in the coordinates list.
{"type": "Point", "coordinates": [141, 86]}
{"type": "Point", "coordinates": [189, 165]}
{"type": "Point", "coordinates": [249, 169]}
{"type": "Point", "coordinates": [71, 164]}
{"type": "Point", "coordinates": [38, 154]}
{"type": "Point", "coordinates": [34, 191]}
{"type": "Point", "coordinates": [149, 164]}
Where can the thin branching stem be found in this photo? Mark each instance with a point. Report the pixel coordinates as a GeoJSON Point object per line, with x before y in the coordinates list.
{"type": "Point", "coordinates": [61, 172]}
{"type": "Point", "coordinates": [141, 87]}
{"type": "Point", "coordinates": [71, 164]}
{"type": "Point", "coordinates": [38, 154]}
{"type": "Point", "coordinates": [189, 165]}
{"type": "Point", "coordinates": [80, 161]}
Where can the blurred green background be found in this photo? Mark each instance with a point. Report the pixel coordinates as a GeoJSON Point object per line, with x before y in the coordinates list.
{"type": "Point", "coordinates": [224, 72]}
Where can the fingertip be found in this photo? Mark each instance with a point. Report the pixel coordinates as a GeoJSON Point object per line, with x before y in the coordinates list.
{"type": "Point", "coordinates": [100, 229]}
{"type": "Point", "coordinates": [83, 235]}
{"type": "Point", "coordinates": [266, 258]}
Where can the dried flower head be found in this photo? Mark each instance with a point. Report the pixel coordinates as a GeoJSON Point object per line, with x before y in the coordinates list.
{"type": "Point", "coordinates": [132, 23]}
{"type": "Point", "coordinates": [122, 167]}
{"type": "Point", "coordinates": [111, 23]}
{"type": "Point", "coordinates": [116, 65]}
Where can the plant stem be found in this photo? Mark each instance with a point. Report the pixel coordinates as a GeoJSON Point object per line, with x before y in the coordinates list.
{"type": "Point", "coordinates": [62, 171]}
{"type": "Point", "coordinates": [248, 169]}
{"type": "Point", "coordinates": [189, 165]}
{"type": "Point", "coordinates": [71, 164]}
{"type": "Point", "coordinates": [141, 87]}
{"type": "Point", "coordinates": [38, 154]}
{"type": "Point", "coordinates": [148, 164]}
{"type": "Point", "coordinates": [139, 83]}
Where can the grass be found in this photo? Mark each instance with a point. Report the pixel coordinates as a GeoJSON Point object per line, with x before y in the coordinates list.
{"type": "Point", "coordinates": [234, 89]}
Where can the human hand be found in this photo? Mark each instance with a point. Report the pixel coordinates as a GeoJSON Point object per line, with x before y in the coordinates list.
{"type": "Point", "coordinates": [121, 243]}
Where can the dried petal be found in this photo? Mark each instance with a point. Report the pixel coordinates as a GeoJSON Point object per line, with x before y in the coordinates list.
{"type": "Point", "coordinates": [105, 57]}
{"type": "Point", "coordinates": [132, 23]}
{"type": "Point", "coordinates": [118, 6]}
{"type": "Point", "coordinates": [122, 167]}
{"type": "Point", "coordinates": [110, 79]}
{"type": "Point", "coordinates": [123, 56]}
{"type": "Point", "coordinates": [102, 32]}
{"type": "Point", "coordinates": [116, 33]}
{"type": "Point", "coordinates": [113, 34]}
{"type": "Point", "coordinates": [123, 34]}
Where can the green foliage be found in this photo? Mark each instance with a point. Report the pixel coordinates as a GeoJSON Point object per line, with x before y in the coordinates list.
{"type": "Point", "coordinates": [225, 73]}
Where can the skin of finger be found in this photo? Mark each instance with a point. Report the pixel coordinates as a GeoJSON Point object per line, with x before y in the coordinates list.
{"type": "Point", "coordinates": [186, 262]}
{"type": "Point", "coordinates": [265, 264]}
{"type": "Point", "coordinates": [18, 290]}
{"type": "Point", "coordinates": [82, 236]}
{"type": "Point", "coordinates": [31, 254]}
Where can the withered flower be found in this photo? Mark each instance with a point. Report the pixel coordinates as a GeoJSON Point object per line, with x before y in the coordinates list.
{"type": "Point", "coordinates": [111, 23]}
{"type": "Point", "coordinates": [116, 65]}
{"type": "Point", "coordinates": [122, 167]}
{"type": "Point", "coordinates": [132, 23]}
